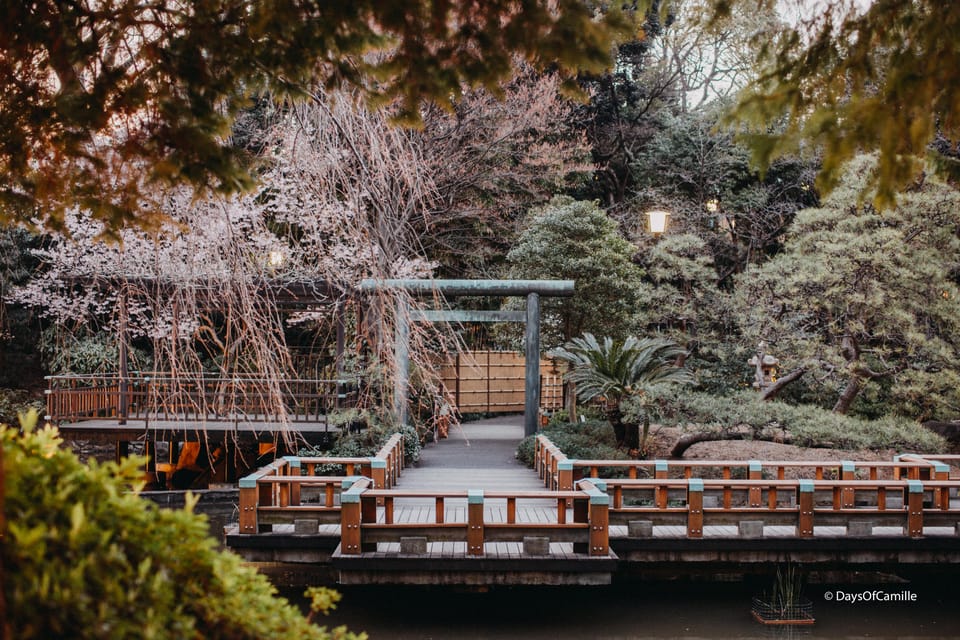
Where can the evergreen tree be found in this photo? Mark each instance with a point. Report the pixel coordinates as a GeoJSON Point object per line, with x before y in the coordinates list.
{"type": "Point", "coordinates": [862, 299]}
{"type": "Point", "coordinates": [576, 240]}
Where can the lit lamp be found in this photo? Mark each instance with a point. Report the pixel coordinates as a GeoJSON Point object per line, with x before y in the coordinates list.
{"type": "Point", "coordinates": [276, 259]}
{"type": "Point", "coordinates": [713, 205]}
{"type": "Point", "coordinates": [658, 221]}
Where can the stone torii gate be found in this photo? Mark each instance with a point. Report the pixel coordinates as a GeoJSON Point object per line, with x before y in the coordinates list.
{"type": "Point", "coordinates": [443, 289]}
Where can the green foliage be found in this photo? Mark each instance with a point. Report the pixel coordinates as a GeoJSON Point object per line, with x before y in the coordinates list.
{"type": "Point", "coordinates": [862, 299]}
{"type": "Point", "coordinates": [806, 425]}
{"type": "Point", "coordinates": [885, 78]}
{"type": "Point", "coordinates": [87, 353]}
{"type": "Point", "coordinates": [13, 402]}
{"type": "Point", "coordinates": [618, 370]}
{"type": "Point", "coordinates": [615, 369]}
{"type": "Point", "coordinates": [86, 557]}
{"type": "Point", "coordinates": [590, 440]}
{"type": "Point", "coordinates": [569, 239]}
{"type": "Point", "coordinates": [93, 114]}
{"type": "Point", "coordinates": [365, 437]}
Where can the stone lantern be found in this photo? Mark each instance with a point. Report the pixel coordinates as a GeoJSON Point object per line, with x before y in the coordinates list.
{"type": "Point", "coordinates": [765, 367]}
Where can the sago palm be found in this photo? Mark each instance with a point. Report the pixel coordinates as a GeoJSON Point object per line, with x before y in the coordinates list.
{"type": "Point", "coordinates": [618, 369]}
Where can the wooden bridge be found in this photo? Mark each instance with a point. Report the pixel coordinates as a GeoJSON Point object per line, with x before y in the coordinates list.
{"type": "Point", "coordinates": [583, 521]}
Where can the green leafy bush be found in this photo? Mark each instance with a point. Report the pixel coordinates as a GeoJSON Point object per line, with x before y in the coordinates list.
{"type": "Point", "coordinates": [16, 401]}
{"type": "Point", "coordinates": [85, 557]}
{"type": "Point", "coordinates": [804, 425]}
{"type": "Point", "coordinates": [590, 440]}
{"type": "Point", "coordinates": [366, 437]}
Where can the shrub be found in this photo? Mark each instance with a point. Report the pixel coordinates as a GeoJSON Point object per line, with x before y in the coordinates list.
{"type": "Point", "coordinates": [366, 441]}
{"type": "Point", "coordinates": [590, 440]}
{"type": "Point", "coordinates": [16, 401]}
{"type": "Point", "coordinates": [806, 425]}
{"type": "Point", "coordinates": [86, 557]}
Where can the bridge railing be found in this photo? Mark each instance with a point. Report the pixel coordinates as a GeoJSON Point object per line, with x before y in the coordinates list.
{"type": "Point", "coordinates": [293, 487]}
{"type": "Point", "coordinates": [671, 492]}
{"type": "Point", "coordinates": [581, 518]}
{"type": "Point", "coordinates": [802, 503]}
{"type": "Point", "coordinates": [159, 396]}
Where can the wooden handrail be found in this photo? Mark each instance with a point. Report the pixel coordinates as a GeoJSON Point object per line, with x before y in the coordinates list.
{"type": "Point", "coordinates": [207, 398]}
{"type": "Point", "coordinates": [588, 529]}
{"type": "Point", "coordinates": [802, 512]}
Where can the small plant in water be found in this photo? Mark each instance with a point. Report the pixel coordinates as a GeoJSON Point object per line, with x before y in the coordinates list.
{"type": "Point", "coordinates": [785, 604]}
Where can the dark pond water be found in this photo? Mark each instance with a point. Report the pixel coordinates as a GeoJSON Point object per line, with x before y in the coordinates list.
{"type": "Point", "coordinates": [643, 611]}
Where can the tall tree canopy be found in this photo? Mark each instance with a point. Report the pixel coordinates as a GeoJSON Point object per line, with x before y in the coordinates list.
{"type": "Point", "coordinates": [576, 240]}
{"type": "Point", "coordinates": [863, 300]}
{"type": "Point", "coordinates": [101, 99]}
{"type": "Point", "coordinates": [885, 78]}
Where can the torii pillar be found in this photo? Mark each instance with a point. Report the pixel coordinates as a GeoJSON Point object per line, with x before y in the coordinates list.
{"type": "Point", "coordinates": [441, 289]}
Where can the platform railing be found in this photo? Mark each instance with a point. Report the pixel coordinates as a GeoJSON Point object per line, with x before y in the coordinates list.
{"type": "Point", "coordinates": [159, 396]}
{"type": "Point", "coordinates": [581, 518]}
{"type": "Point", "coordinates": [801, 503]}
{"type": "Point", "coordinates": [275, 494]}
{"type": "Point", "coordinates": [908, 491]}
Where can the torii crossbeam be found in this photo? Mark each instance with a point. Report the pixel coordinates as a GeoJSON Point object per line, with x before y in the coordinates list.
{"type": "Point", "coordinates": [532, 289]}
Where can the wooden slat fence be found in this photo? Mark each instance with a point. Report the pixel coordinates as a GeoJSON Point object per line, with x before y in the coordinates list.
{"type": "Point", "coordinates": [493, 382]}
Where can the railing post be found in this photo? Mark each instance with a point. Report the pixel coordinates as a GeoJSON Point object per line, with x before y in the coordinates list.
{"type": "Point", "coordinates": [537, 445]}
{"type": "Point", "coordinates": [755, 472]}
{"type": "Point", "coordinates": [915, 509]}
{"type": "Point", "coordinates": [694, 508]}
{"type": "Point", "coordinates": [248, 504]}
{"type": "Point", "coordinates": [661, 491]}
{"type": "Point", "coordinates": [378, 471]}
{"type": "Point", "coordinates": [805, 508]}
{"type": "Point", "coordinates": [350, 523]}
{"type": "Point", "coordinates": [847, 494]}
{"type": "Point", "coordinates": [475, 522]}
{"type": "Point", "coordinates": [599, 521]}
{"type": "Point", "coordinates": [293, 469]}
{"type": "Point", "coordinates": [941, 497]}
{"type": "Point", "coordinates": [565, 475]}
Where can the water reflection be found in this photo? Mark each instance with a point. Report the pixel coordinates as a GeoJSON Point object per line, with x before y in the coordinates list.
{"type": "Point", "coordinates": [630, 611]}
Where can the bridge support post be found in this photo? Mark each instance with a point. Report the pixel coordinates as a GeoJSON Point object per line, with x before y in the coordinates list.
{"type": "Point", "coordinates": [565, 475]}
{"type": "Point", "coordinates": [941, 497]}
{"type": "Point", "coordinates": [293, 469]}
{"type": "Point", "coordinates": [805, 508]}
{"type": "Point", "coordinates": [915, 509]}
{"type": "Point", "coordinates": [755, 472]}
{"type": "Point", "coordinates": [660, 492]}
{"type": "Point", "coordinates": [475, 522]}
{"type": "Point", "coordinates": [694, 508]}
{"type": "Point", "coordinates": [847, 494]}
{"type": "Point", "coordinates": [378, 471]}
{"type": "Point", "coordinates": [599, 524]}
{"type": "Point", "coordinates": [248, 505]}
{"type": "Point", "coordinates": [350, 524]}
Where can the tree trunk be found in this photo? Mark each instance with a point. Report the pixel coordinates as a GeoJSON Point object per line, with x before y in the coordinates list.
{"type": "Point", "coordinates": [644, 435]}
{"type": "Point", "coordinates": [850, 393]}
{"type": "Point", "coordinates": [778, 386]}
{"type": "Point", "coordinates": [570, 400]}
{"type": "Point", "coordinates": [685, 442]}
{"type": "Point", "coordinates": [631, 432]}
{"type": "Point", "coordinates": [615, 418]}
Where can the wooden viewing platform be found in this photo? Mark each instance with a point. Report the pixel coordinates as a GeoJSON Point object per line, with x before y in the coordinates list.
{"type": "Point", "coordinates": [504, 524]}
